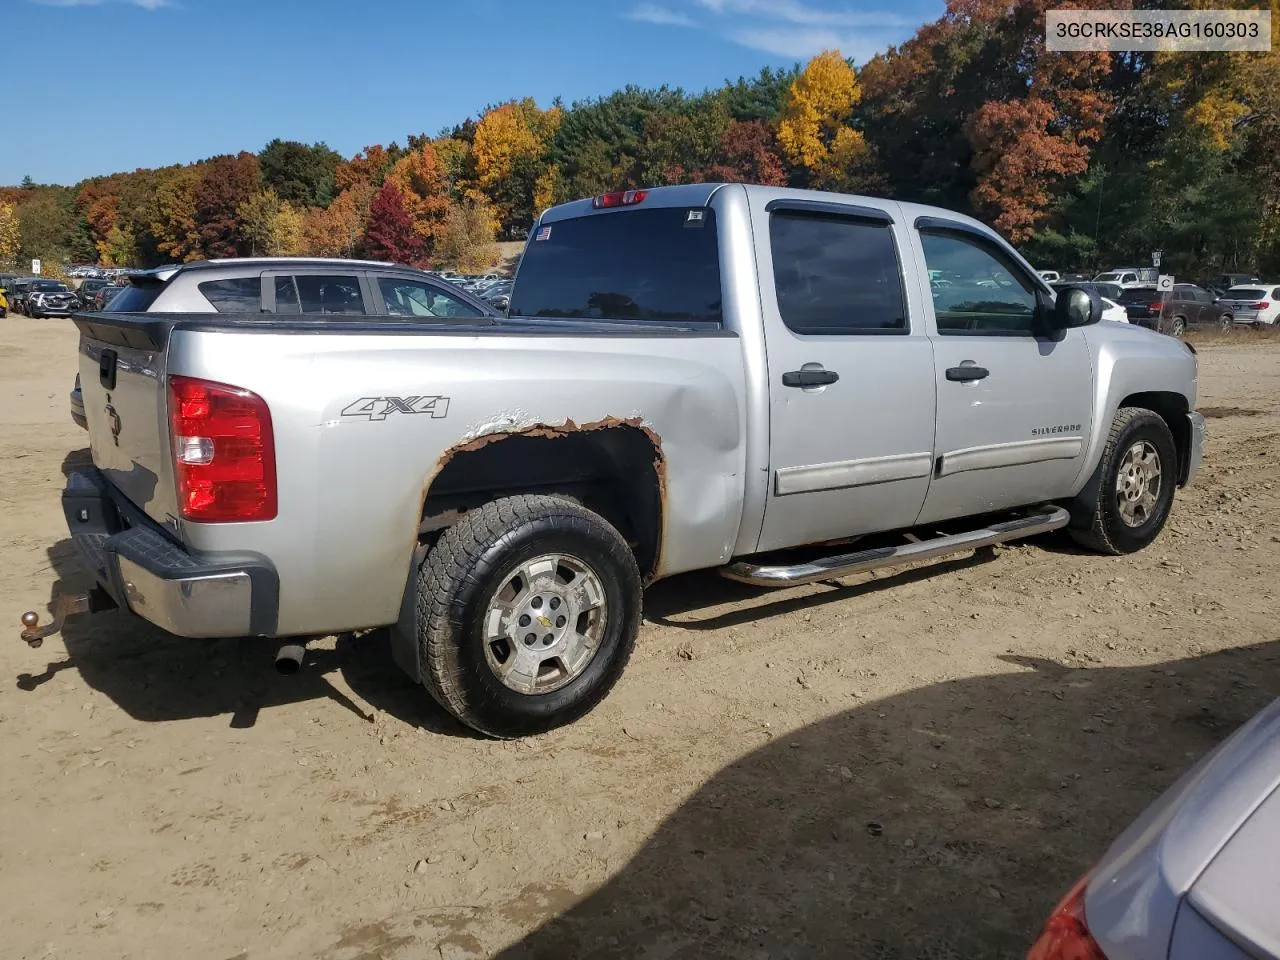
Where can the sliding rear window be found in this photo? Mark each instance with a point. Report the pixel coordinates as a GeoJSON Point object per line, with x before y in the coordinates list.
{"type": "Point", "coordinates": [658, 264]}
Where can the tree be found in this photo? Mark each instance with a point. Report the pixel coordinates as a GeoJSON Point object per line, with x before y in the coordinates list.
{"type": "Point", "coordinates": [424, 192]}
{"type": "Point", "coordinates": [118, 248]}
{"type": "Point", "coordinates": [818, 108]}
{"type": "Point", "coordinates": [760, 98]}
{"type": "Point", "coordinates": [467, 241]}
{"type": "Point", "coordinates": [299, 174]}
{"type": "Point", "coordinates": [368, 167]}
{"type": "Point", "coordinates": [748, 154]}
{"type": "Point", "coordinates": [227, 183]}
{"type": "Point", "coordinates": [679, 147]}
{"type": "Point", "coordinates": [335, 231]}
{"type": "Point", "coordinates": [289, 232]}
{"type": "Point", "coordinates": [390, 233]}
{"type": "Point", "coordinates": [10, 236]}
{"type": "Point", "coordinates": [173, 221]}
{"type": "Point", "coordinates": [509, 153]}
{"type": "Point", "coordinates": [48, 225]}
{"type": "Point", "coordinates": [257, 218]}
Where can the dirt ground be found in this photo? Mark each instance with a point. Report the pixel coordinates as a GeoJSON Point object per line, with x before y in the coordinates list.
{"type": "Point", "coordinates": [910, 765]}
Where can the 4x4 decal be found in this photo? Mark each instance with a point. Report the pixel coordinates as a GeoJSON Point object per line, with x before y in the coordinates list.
{"type": "Point", "coordinates": [379, 408]}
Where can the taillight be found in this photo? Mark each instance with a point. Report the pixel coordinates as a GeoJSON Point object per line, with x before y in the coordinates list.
{"type": "Point", "coordinates": [1155, 307]}
{"type": "Point", "coordinates": [1260, 305]}
{"type": "Point", "coordinates": [1066, 934]}
{"type": "Point", "coordinates": [224, 452]}
{"type": "Point", "coordinates": [620, 198]}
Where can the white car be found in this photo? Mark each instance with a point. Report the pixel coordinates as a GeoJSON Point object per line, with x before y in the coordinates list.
{"type": "Point", "coordinates": [1257, 304]}
{"type": "Point", "coordinates": [1050, 276]}
{"type": "Point", "coordinates": [1113, 311]}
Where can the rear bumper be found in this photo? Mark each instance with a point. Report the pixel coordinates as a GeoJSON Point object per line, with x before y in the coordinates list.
{"type": "Point", "coordinates": [1195, 451]}
{"type": "Point", "coordinates": [147, 572]}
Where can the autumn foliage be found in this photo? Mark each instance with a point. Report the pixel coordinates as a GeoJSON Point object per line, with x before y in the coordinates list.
{"type": "Point", "coordinates": [1079, 158]}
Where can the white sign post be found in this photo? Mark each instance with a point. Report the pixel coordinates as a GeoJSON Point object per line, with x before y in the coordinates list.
{"type": "Point", "coordinates": [35, 267]}
{"type": "Point", "coordinates": [1164, 284]}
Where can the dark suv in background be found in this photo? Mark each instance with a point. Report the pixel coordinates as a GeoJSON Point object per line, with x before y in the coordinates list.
{"type": "Point", "coordinates": [1187, 307]}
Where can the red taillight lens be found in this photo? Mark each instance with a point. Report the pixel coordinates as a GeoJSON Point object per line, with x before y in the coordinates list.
{"type": "Point", "coordinates": [1260, 305]}
{"type": "Point", "coordinates": [620, 198]}
{"type": "Point", "coordinates": [1066, 934]}
{"type": "Point", "coordinates": [224, 452]}
{"type": "Point", "coordinates": [1155, 307]}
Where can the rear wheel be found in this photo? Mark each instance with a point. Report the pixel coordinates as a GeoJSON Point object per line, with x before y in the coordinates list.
{"type": "Point", "coordinates": [1128, 499]}
{"type": "Point", "coordinates": [1224, 323]}
{"type": "Point", "coordinates": [528, 610]}
{"type": "Point", "coordinates": [1178, 326]}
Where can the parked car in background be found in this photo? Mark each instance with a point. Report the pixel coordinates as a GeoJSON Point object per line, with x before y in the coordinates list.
{"type": "Point", "coordinates": [260, 287]}
{"type": "Point", "coordinates": [499, 294]}
{"type": "Point", "coordinates": [104, 296]}
{"type": "Point", "coordinates": [1142, 305]}
{"type": "Point", "coordinates": [1258, 306]}
{"type": "Point", "coordinates": [1050, 276]}
{"type": "Point", "coordinates": [1109, 293]}
{"type": "Point", "coordinates": [1129, 276]}
{"type": "Point", "coordinates": [89, 288]}
{"type": "Point", "coordinates": [1223, 282]}
{"type": "Point", "coordinates": [1195, 877]}
{"type": "Point", "coordinates": [1189, 307]}
{"type": "Point", "coordinates": [50, 298]}
{"type": "Point", "coordinates": [4, 303]}
{"type": "Point", "coordinates": [18, 293]}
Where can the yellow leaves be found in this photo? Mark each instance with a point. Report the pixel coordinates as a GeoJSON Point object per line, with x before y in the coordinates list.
{"type": "Point", "coordinates": [422, 183]}
{"type": "Point", "coordinates": [467, 240]}
{"type": "Point", "coordinates": [819, 103]}
{"type": "Point", "coordinates": [546, 189]}
{"type": "Point", "coordinates": [10, 239]}
{"type": "Point", "coordinates": [504, 137]}
{"type": "Point", "coordinates": [288, 229]}
{"type": "Point", "coordinates": [1214, 117]}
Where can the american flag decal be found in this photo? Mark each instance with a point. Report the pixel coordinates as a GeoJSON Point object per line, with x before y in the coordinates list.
{"type": "Point", "coordinates": [544, 234]}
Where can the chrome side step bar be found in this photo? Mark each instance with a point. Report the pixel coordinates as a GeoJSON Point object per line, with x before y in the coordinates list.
{"type": "Point", "coordinates": [760, 575]}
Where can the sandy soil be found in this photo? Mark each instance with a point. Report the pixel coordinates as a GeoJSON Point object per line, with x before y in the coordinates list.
{"type": "Point", "coordinates": [911, 765]}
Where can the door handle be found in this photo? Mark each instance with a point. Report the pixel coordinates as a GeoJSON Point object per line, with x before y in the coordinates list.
{"type": "Point", "coordinates": [967, 374]}
{"type": "Point", "coordinates": [809, 378]}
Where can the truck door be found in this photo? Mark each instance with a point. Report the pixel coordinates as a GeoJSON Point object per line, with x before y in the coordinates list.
{"type": "Point", "coordinates": [850, 369]}
{"type": "Point", "coordinates": [1014, 408]}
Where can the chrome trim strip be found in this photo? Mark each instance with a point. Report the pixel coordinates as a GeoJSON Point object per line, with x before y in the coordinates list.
{"type": "Point", "coordinates": [851, 473]}
{"type": "Point", "coordinates": [1009, 454]}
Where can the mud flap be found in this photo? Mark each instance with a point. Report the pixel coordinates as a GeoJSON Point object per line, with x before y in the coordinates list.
{"type": "Point", "coordinates": [404, 632]}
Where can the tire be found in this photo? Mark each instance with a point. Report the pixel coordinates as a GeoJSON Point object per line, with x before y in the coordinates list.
{"type": "Point", "coordinates": [1225, 323]}
{"type": "Point", "coordinates": [1177, 327]}
{"type": "Point", "coordinates": [33, 314]}
{"type": "Point", "coordinates": [1104, 517]}
{"type": "Point", "coordinates": [476, 573]}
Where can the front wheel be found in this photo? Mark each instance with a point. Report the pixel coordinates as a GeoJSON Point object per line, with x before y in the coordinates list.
{"type": "Point", "coordinates": [1178, 327]}
{"type": "Point", "coordinates": [527, 613]}
{"type": "Point", "coordinates": [1128, 499]}
{"type": "Point", "coordinates": [1224, 323]}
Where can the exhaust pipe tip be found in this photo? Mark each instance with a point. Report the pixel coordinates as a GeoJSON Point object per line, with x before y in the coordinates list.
{"type": "Point", "coordinates": [289, 658]}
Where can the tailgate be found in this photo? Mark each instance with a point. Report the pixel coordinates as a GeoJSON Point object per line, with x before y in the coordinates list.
{"type": "Point", "coordinates": [122, 380]}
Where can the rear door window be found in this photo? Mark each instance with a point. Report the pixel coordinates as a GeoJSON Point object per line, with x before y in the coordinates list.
{"type": "Point", "coordinates": [237, 295]}
{"type": "Point", "coordinates": [836, 275]}
{"type": "Point", "coordinates": [658, 264]}
{"type": "Point", "coordinates": [136, 298]}
{"type": "Point", "coordinates": [329, 294]}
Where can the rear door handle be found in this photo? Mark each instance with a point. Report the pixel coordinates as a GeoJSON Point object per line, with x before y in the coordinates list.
{"type": "Point", "coordinates": [966, 374]}
{"type": "Point", "coordinates": [809, 378]}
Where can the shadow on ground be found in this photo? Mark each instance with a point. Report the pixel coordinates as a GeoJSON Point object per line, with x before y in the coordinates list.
{"type": "Point", "coordinates": [942, 823]}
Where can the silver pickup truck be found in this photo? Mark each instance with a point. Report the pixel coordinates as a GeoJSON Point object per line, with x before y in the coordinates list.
{"type": "Point", "coordinates": [689, 377]}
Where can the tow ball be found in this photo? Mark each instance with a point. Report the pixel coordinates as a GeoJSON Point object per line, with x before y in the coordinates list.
{"type": "Point", "coordinates": [63, 606]}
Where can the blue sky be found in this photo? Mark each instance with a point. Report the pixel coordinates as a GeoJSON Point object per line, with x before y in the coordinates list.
{"type": "Point", "coordinates": [144, 83]}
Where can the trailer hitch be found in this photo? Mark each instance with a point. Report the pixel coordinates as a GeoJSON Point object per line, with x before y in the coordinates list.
{"type": "Point", "coordinates": [63, 606]}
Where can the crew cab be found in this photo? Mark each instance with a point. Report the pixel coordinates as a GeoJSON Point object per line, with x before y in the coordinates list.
{"type": "Point", "coordinates": [688, 377]}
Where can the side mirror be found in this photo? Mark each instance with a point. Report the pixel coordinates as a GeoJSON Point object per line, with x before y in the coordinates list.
{"type": "Point", "coordinates": [1074, 307]}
